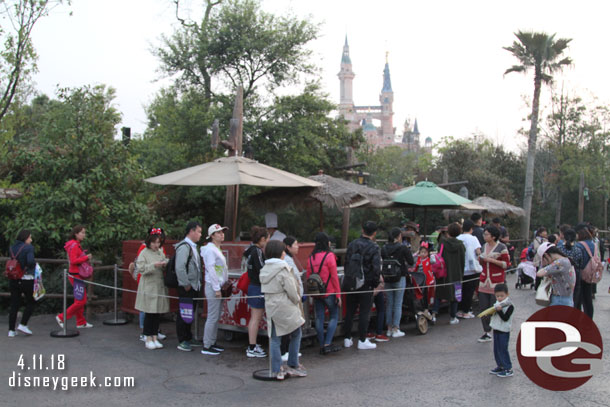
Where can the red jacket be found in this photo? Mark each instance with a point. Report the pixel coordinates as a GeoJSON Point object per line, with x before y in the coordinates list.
{"type": "Point", "coordinates": [329, 266]}
{"type": "Point", "coordinates": [76, 255]}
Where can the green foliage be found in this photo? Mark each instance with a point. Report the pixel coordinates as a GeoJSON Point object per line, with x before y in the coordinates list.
{"type": "Point", "coordinates": [72, 171]}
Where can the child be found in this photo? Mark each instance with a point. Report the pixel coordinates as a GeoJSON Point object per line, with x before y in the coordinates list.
{"type": "Point", "coordinates": [424, 265]}
{"type": "Point", "coordinates": [500, 323]}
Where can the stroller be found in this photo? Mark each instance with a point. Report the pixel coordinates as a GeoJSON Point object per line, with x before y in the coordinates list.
{"type": "Point", "coordinates": [526, 271]}
{"type": "Point", "coordinates": [419, 299]}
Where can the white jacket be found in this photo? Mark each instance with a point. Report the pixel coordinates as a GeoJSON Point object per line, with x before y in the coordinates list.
{"type": "Point", "coordinates": [216, 270]}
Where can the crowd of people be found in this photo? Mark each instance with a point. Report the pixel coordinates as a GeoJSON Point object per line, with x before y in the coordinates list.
{"type": "Point", "coordinates": [469, 260]}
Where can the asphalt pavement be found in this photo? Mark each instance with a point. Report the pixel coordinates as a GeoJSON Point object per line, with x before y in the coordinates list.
{"type": "Point", "coordinates": [445, 367]}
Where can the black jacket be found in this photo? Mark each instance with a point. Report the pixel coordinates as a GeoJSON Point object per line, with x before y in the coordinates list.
{"type": "Point", "coordinates": [371, 259]}
{"type": "Point", "coordinates": [26, 256]}
{"type": "Point", "coordinates": [400, 252]}
{"type": "Point", "coordinates": [256, 261]}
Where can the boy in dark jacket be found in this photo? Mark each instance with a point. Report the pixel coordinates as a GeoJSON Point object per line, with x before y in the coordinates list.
{"type": "Point", "coordinates": [371, 267]}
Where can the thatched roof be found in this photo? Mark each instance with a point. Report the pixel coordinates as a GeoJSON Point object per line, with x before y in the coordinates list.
{"type": "Point", "coordinates": [334, 192]}
{"type": "Point", "coordinates": [492, 207]}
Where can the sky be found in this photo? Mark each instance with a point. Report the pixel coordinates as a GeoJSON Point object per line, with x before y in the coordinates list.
{"type": "Point", "coordinates": [445, 57]}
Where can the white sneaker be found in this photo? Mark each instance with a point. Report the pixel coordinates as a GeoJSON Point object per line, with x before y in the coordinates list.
{"type": "Point", "coordinates": [459, 314]}
{"type": "Point", "coordinates": [454, 321]}
{"type": "Point", "coordinates": [366, 344]}
{"type": "Point", "coordinates": [348, 342]}
{"type": "Point", "coordinates": [158, 345]}
{"type": "Point", "coordinates": [12, 334]}
{"type": "Point", "coordinates": [59, 322]}
{"type": "Point", "coordinates": [389, 333]}
{"type": "Point", "coordinates": [468, 315]}
{"type": "Point", "coordinates": [143, 337]}
{"type": "Point", "coordinates": [398, 334]}
{"type": "Point", "coordinates": [150, 345]}
{"type": "Point", "coordinates": [24, 329]}
{"type": "Point", "coordinates": [86, 325]}
{"type": "Point", "coordinates": [285, 357]}
{"type": "Point", "coordinates": [161, 336]}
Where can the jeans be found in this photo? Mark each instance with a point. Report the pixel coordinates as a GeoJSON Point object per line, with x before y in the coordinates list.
{"type": "Point", "coordinates": [562, 300]}
{"type": "Point", "coordinates": [394, 308]}
{"type": "Point", "coordinates": [320, 304]}
{"type": "Point", "coordinates": [17, 287]}
{"type": "Point", "coordinates": [380, 305]}
{"type": "Point", "coordinates": [293, 349]}
{"type": "Point", "coordinates": [501, 350]}
{"type": "Point", "coordinates": [453, 306]}
{"type": "Point", "coordinates": [353, 302]}
{"type": "Point", "coordinates": [142, 316]}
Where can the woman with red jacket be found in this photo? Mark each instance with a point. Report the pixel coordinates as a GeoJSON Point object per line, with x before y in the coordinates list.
{"type": "Point", "coordinates": [495, 260]}
{"type": "Point", "coordinates": [322, 261]}
{"type": "Point", "coordinates": [76, 256]}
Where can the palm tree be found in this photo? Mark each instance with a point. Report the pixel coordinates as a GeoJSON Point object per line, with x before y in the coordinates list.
{"type": "Point", "coordinates": [543, 53]}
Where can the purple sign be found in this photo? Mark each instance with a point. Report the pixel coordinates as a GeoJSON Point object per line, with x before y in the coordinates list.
{"type": "Point", "coordinates": [458, 291]}
{"type": "Point", "coordinates": [186, 309]}
{"type": "Point", "coordinates": [79, 289]}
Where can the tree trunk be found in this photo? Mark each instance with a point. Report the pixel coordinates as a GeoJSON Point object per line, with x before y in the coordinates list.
{"type": "Point", "coordinates": [531, 156]}
{"type": "Point", "coordinates": [558, 207]}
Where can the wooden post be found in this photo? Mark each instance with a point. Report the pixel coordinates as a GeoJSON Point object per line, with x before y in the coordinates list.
{"type": "Point", "coordinates": [234, 146]}
{"type": "Point", "coordinates": [581, 198]}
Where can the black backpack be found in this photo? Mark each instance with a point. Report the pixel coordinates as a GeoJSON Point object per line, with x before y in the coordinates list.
{"type": "Point", "coordinates": [170, 278]}
{"type": "Point", "coordinates": [353, 274]}
{"type": "Point", "coordinates": [314, 283]}
{"type": "Point", "coordinates": [390, 267]}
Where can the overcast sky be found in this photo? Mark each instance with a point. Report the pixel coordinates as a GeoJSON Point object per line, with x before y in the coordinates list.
{"type": "Point", "coordinates": [446, 57]}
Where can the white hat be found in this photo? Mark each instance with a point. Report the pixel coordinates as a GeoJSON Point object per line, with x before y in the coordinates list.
{"type": "Point", "coordinates": [215, 228]}
{"type": "Point", "coordinates": [271, 220]}
{"type": "Point", "coordinates": [543, 248]}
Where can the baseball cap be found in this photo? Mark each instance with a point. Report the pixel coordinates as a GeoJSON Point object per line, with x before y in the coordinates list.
{"type": "Point", "coordinates": [215, 228]}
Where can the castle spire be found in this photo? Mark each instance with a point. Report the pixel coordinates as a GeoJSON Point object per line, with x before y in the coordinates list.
{"type": "Point", "coordinates": [387, 83]}
{"type": "Point", "coordinates": [415, 128]}
{"type": "Point", "coordinates": [345, 59]}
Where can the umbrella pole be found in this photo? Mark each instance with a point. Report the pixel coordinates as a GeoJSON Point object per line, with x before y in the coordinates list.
{"type": "Point", "coordinates": [425, 223]}
{"type": "Point", "coordinates": [235, 208]}
{"type": "Point", "coordinates": [345, 226]}
{"type": "Point", "coordinates": [231, 210]}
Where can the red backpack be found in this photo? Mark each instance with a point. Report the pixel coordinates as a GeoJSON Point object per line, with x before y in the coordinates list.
{"type": "Point", "coordinates": [592, 273]}
{"type": "Point", "coordinates": [13, 269]}
{"type": "Point", "coordinates": [439, 269]}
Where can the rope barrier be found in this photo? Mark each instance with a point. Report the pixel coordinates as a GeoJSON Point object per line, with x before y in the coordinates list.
{"type": "Point", "coordinates": [262, 296]}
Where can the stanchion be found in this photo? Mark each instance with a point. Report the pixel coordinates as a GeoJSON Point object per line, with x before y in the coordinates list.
{"type": "Point", "coordinates": [116, 320]}
{"type": "Point", "coordinates": [266, 374]}
{"type": "Point", "coordinates": [65, 333]}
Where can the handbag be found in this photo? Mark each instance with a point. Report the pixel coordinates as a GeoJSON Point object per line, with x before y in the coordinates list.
{"type": "Point", "coordinates": [227, 289]}
{"type": "Point", "coordinates": [438, 267]}
{"type": "Point", "coordinates": [543, 293]}
{"type": "Point", "coordinates": [85, 270]}
{"type": "Point", "coordinates": [243, 283]}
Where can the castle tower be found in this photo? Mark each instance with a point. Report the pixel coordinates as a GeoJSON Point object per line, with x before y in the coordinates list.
{"type": "Point", "coordinates": [346, 76]}
{"type": "Point", "coordinates": [416, 134]}
{"type": "Point", "coordinates": [386, 98]}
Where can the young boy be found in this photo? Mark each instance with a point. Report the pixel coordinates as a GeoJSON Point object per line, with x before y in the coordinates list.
{"type": "Point", "coordinates": [500, 323]}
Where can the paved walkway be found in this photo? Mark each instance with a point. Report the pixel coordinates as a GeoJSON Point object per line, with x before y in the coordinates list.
{"type": "Point", "coordinates": [445, 367]}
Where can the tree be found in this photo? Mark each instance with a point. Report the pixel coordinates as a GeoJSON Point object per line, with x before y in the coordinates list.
{"type": "Point", "coordinates": [18, 58]}
{"type": "Point", "coordinates": [240, 45]}
{"type": "Point", "coordinates": [542, 53]}
{"type": "Point", "coordinates": [74, 172]}
{"type": "Point", "coordinates": [392, 167]}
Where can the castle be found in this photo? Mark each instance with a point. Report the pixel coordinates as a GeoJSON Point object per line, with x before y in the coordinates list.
{"type": "Point", "coordinates": [362, 116]}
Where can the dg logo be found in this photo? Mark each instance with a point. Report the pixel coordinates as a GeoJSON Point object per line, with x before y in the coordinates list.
{"type": "Point", "coordinates": [559, 348]}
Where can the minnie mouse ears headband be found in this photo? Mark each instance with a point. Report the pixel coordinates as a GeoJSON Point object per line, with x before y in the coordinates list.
{"type": "Point", "coordinates": [156, 231]}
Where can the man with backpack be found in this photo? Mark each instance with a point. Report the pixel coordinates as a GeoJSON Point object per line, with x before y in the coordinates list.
{"type": "Point", "coordinates": [188, 272]}
{"type": "Point", "coordinates": [362, 273]}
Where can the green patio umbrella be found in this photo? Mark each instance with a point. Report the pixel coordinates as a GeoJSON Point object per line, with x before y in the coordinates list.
{"type": "Point", "coordinates": [426, 194]}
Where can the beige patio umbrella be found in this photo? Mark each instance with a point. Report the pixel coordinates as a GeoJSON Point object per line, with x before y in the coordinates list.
{"type": "Point", "coordinates": [233, 171]}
